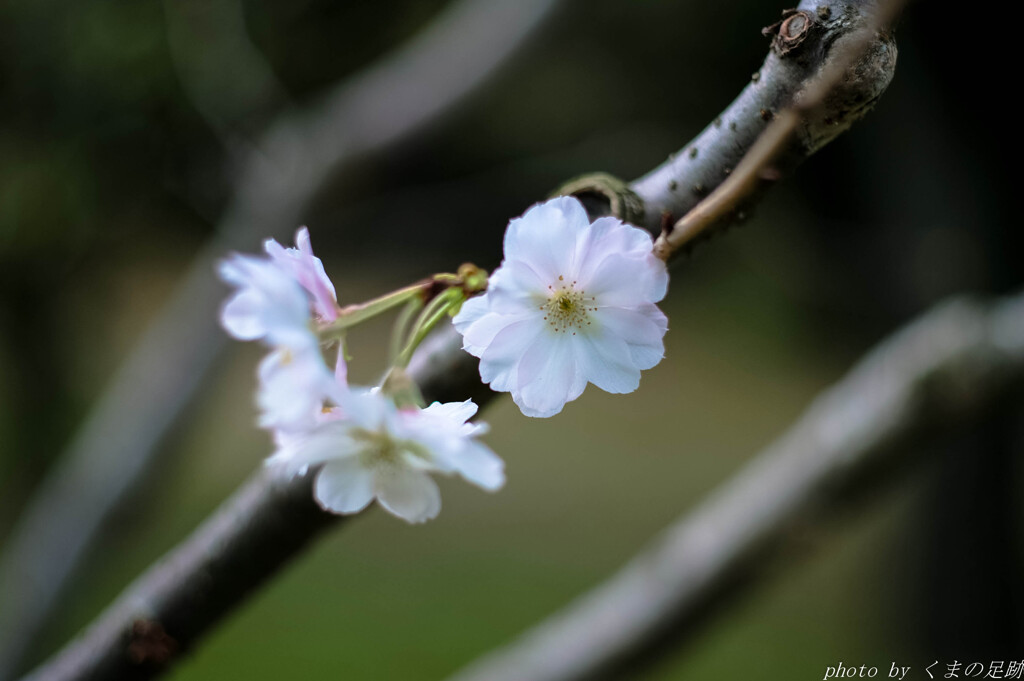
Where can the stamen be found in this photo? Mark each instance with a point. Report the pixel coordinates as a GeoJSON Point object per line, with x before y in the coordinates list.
{"type": "Point", "coordinates": [567, 308]}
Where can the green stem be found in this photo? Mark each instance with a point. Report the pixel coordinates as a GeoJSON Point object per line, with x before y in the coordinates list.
{"type": "Point", "coordinates": [356, 314]}
{"type": "Point", "coordinates": [401, 329]}
{"type": "Point", "coordinates": [428, 319]}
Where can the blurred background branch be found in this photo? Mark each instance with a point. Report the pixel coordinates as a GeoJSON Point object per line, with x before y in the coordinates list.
{"type": "Point", "coordinates": [939, 374]}
{"type": "Point", "coordinates": [241, 84]}
{"type": "Point", "coordinates": [400, 96]}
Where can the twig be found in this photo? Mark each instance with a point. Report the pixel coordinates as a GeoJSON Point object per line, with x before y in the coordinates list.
{"type": "Point", "coordinates": [827, 100]}
{"type": "Point", "coordinates": [402, 95]}
{"type": "Point", "coordinates": [452, 375]}
{"type": "Point", "coordinates": [940, 370]}
{"type": "Point", "coordinates": [802, 50]}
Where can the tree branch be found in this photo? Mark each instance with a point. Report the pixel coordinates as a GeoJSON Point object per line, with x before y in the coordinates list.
{"type": "Point", "coordinates": [940, 370]}
{"type": "Point", "coordinates": [442, 368]}
{"type": "Point", "coordinates": [843, 91]}
{"type": "Point", "coordinates": [402, 95]}
{"type": "Point", "coordinates": [806, 47]}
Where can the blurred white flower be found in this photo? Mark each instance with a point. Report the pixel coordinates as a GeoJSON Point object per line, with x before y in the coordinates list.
{"type": "Point", "coordinates": [294, 381]}
{"type": "Point", "coordinates": [275, 302]}
{"type": "Point", "coordinates": [269, 304]}
{"type": "Point", "coordinates": [371, 449]}
{"type": "Point", "coordinates": [572, 302]}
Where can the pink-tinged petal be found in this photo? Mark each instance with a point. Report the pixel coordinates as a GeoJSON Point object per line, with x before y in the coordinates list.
{"type": "Point", "coordinates": [276, 251]}
{"type": "Point", "coordinates": [643, 330]}
{"type": "Point", "coordinates": [308, 271]}
{"type": "Point", "coordinates": [315, 279]}
{"type": "Point", "coordinates": [500, 359]}
{"type": "Point", "coordinates": [619, 281]}
{"type": "Point", "coordinates": [344, 486]}
{"type": "Point", "coordinates": [607, 363]}
{"type": "Point", "coordinates": [409, 494]}
{"type": "Point", "coordinates": [545, 237]}
{"type": "Point", "coordinates": [341, 368]}
{"type": "Point", "coordinates": [549, 376]}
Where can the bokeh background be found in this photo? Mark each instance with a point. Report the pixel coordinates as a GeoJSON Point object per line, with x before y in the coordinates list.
{"type": "Point", "coordinates": [114, 171]}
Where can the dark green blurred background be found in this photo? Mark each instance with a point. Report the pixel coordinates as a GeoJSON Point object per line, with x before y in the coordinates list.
{"type": "Point", "coordinates": [110, 181]}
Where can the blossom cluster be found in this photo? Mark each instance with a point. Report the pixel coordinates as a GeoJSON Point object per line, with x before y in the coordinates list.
{"type": "Point", "coordinates": [573, 302]}
{"type": "Point", "coordinates": [366, 447]}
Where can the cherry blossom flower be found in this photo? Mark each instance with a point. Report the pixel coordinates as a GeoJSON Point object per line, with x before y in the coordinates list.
{"type": "Point", "coordinates": [572, 302]}
{"type": "Point", "coordinates": [370, 449]}
{"type": "Point", "coordinates": [276, 300]}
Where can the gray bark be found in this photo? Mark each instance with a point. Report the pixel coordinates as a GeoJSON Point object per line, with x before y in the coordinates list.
{"type": "Point", "coordinates": [804, 45]}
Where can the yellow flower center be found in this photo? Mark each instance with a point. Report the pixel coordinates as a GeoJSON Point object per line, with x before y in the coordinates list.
{"type": "Point", "coordinates": [566, 308]}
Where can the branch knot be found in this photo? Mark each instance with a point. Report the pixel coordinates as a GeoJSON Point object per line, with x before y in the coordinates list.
{"type": "Point", "coordinates": [792, 30]}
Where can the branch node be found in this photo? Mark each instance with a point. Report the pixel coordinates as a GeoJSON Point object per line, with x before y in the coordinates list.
{"type": "Point", "coordinates": [794, 28]}
{"type": "Point", "coordinates": [150, 644]}
{"type": "Point", "coordinates": [603, 194]}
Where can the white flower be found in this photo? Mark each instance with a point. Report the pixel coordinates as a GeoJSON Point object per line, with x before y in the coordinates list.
{"type": "Point", "coordinates": [269, 304]}
{"type": "Point", "coordinates": [572, 302]}
{"type": "Point", "coordinates": [275, 302]}
{"type": "Point", "coordinates": [293, 383]}
{"type": "Point", "coordinates": [371, 449]}
{"type": "Point", "coordinates": [308, 271]}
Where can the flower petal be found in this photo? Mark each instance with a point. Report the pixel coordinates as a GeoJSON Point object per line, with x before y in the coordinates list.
{"type": "Point", "coordinates": [545, 237]}
{"type": "Point", "coordinates": [470, 312]}
{"type": "Point", "coordinates": [344, 486]}
{"type": "Point", "coordinates": [328, 441]}
{"type": "Point", "coordinates": [409, 494]}
{"type": "Point", "coordinates": [459, 412]}
{"type": "Point", "coordinates": [607, 363]}
{"type": "Point", "coordinates": [308, 271]}
{"type": "Point", "coordinates": [478, 325]}
{"type": "Point", "coordinates": [479, 465]}
{"type": "Point", "coordinates": [549, 375]}
{"type": "Point", "coordinates": [269, 303]}
{"type": "Point", "coordinates": [500, 359]}
{"type": "Point", "coordinates": [621, 281]}
{"type": "Point", "coordinates": [516, 288]}
{"type": "Point", "coordinates": [643, 330]}
{"type": "Point", "coordinates": [610, 235]}
{"type": "Point", "coordinates": [240, 315]}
